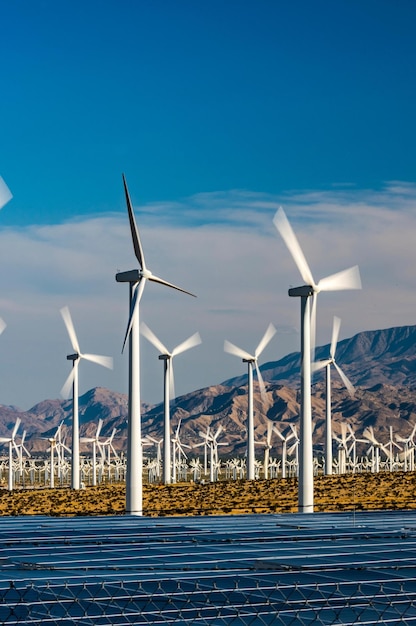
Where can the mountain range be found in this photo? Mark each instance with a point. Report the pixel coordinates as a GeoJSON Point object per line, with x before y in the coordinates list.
{"type": "Point", "coordinates": [381, 364]}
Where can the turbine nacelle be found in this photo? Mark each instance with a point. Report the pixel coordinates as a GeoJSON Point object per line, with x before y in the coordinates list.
{"type": "Point", "coordinates": [131, 276]}
{"type": "Point", "coordinates": [302, 292]}
{"type": "Point", "coordinates": [73, 357]}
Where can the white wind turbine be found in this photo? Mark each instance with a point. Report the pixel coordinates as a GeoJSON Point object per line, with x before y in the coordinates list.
{"type": "Point", "coordinates": [214, 461]}
{"type": "Point", "coordinates": [95, 442]}
{"type": "Point", "coordinates": [408, 454]}
{"type": "Point", "coordinates": [12, 444]}
{"type": "Point", "coordinates": [5, 193]}
{"type": "Point", "coordinates": [375, 447]}
{"type": "Point", "coordinates": [72, 381]}
{"type": "Point", "coordinates": [178, 452]}
{"type": "Point", "coordinates": [347, 279]}
{"type": "Point", "coordinates": [285, 441]}
{"type": "Point", "coordinates": [251, 360]}
{"type": "Point", "coordinates": [206, 439]}
{"type": "Point", "coordinates": [267, 447]}
{"type": "Point", "coordinates": [168, 387]}
{"type": "Point", "coordinates": [137, 280]}
{"type": "Point", "coordinates": [318, 365]}
{"type": "Point", "coordinates": [53, 445]}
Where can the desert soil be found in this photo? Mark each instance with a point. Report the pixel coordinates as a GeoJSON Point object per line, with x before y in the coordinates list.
{"type": "Point", "coordinates": [332, 493]}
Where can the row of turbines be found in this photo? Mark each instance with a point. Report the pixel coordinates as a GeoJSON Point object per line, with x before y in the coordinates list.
{"type": "Point", "coordinates": [136, 279]}
{"type": "Point", "coordinates": [105, 464]}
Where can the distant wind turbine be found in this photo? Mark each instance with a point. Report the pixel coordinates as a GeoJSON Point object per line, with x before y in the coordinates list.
{"type": "Point", "coordinates": [12, 445]}
{"type": "Point", "coordinates": [318, 365]}
{"type": "Point", "coordinates": [137, 279]}
{"type": "Point", "coordinates": [347, 279]}
{"type": "Point", "coordinates": [72, 381]}
{"type": "Point", "coordinates": [168, 388]}
{"type": "Point", "coordinates": [251, 360]}
{"type": "Point", "coordinates": [95, 443]}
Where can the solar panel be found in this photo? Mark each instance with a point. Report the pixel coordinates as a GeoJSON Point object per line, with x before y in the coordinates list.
{"type": "Point", "coordinates": [263, 569]}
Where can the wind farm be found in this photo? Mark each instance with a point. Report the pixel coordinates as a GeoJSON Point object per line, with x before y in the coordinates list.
{"type": "Point", "coordinates": [175, 181]}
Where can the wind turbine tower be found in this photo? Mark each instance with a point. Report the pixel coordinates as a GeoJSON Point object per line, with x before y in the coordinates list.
{"type": "Point", "coordinates": [168, 387]}
{"type": "Point", "coordinates": [251, 360]}
{"type": "Point", "coordinates": [347, 279]}
{"type": "Point", "coordinates": [318, 365]}
{"type": "Point", "coordinates": [136, 279]}
{"type": "Point", "coordinates": [72, 380]}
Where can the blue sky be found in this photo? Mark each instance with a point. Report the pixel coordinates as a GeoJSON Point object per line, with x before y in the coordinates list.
{"type": "Point", "coordinates": [217, 113]}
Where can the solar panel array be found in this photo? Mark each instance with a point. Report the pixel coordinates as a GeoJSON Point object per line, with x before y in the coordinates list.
{"type": "Point", "coordinates": [243, 570]}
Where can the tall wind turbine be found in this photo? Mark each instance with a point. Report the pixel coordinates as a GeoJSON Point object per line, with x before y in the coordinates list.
{"type": "Point", "coordinates": [251, 360]}
{"type": "Point", "coordinates": [168, 387]}
{"type": "Point", "coordinates": [137, 280]}
{"type": "Point", "coordinates": [72, 381]}
{"type": "Point", "coordinates": [318, 365]}
{"type": "Point", "coordinates": [347, 279]}
{"type": "Point", "coordinates": [5, 193]}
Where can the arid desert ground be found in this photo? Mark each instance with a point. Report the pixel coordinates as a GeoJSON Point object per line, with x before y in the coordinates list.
{"type": "Point", "coordinates": [385, 490]}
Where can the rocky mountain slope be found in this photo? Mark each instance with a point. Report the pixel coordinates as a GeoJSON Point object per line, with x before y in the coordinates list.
{"type": "Point", "coordinates": [381, 364]}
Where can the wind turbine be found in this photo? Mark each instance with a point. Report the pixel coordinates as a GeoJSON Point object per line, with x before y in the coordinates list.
{"type": "Point", "coordinates": [267, 447]}
{"type": "Point", "coordinates": [375, 447]}
{"type": "Point", "coordinates": [318, 365]}
{"type": "Point", "coordinates": [285, 441]}
{"type": "Point", "coordinates": [53, 445]}
{"type": "Point", "coordinates": [251, 360]}
{"type": "Point", "coordinates": [12, 444]}
{"type": "Point", "coordinates": [167, 357]}
{"type": "Point", "coordinates": [5, 193]}
{"type": "Point", "coordinates": [347, 279]}
{"type": "Point", "coordinates": [137, 280]}
{"type": "Point", "coordinates": [72, 380]}
{"type": "Point", "coordinates": [95, 442]}
{"type": "Point", "coordinates": [178, 452]}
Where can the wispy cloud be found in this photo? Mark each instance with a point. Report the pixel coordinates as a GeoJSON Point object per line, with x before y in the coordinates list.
{"type": "Point", "coordinates": [223, 247]}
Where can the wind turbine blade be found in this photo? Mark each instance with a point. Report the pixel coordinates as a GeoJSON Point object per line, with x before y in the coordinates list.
{"type": "Point", "coordinates": [270, 332]}
{"type": "Point", "coordinates": [16, 427]}
{"type": "Point", "coordinates": [2, 325]}
{"type": "Point", "coordinates": [150, 336]}
{"type": "Point", "coordinates": [236, 351]}
{"type": "Point", "coordinates": [319, 365]}
{"type": "Point", "coordinates": [278, 433]}
{"type": "Point", "coordinates": [335, 332]}
{"type": "Point", "coordinates": [269, 433]}
{"type": "Point", "coordinates": [218, 432]}
{"type": "Point", "coordinates": [5, 193]}
{"type": "Point", "coordinates": [135, 301]}
{"type": "Point", "coordinates": [261, 382]}
{"type": "Point", "coordinates": [99, 427]}
{"type": "Point", "coordinates": [282, 224]}
{"type": "Point", "coordinates": [138, 250]}
{"type": "Point", "coordinates": [347, 279]}
{"type": "Point", "coordinates": [66, 388]}
{"type": "Point", "coordinates": [344, 433]}
{"type": "Point", "coordinates": [348, 384]}
{"type": "Point", "coordinates": [313, 325]}
{"type": "Point", "coordinates": [156, 279]}
{"type": "Point", "coordinates": [66, 315]}
{"type": "Point", "coordinates": [171, 381]}
{"type": "Point", "coordinates": [369, 434]}
{"type": "Point", "coordinates": [192, 341]}
{"type": "Point", "coordinates": [105, 361]}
